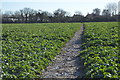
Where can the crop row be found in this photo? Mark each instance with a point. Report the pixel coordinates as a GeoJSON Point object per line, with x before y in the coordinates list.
{"type": "Point", "coordinates": [100, 50]}
{"type": "Point", "coordinates": [29, 48]}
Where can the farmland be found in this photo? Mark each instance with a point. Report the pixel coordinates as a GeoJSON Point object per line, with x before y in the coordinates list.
{"type": "Point", "coordinates": [29, 48]}
{"type": "Point", "coordinates": [100, 50]}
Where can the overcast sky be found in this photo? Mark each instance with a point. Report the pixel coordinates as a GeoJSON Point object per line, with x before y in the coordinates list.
{"type": "Point", "coordinates": [84, 6]}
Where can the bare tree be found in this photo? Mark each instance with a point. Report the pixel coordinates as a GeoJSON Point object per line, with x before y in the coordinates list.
{"type": "Point", "coordinates": [96, 11]}
{"type": "Point", "coordinates": [60, 13]}
{"type": "Point", "coordinates": [78, 13]}
{"type": "Point", "coordinates": [45, 16]}
{"type": "Point", "coordinates": [119, 7]}
{"type": "Point", "coordinates": [17, 15]}
{"type": "Point", "coordinates": [22, 16]}
{"type": "Point", "coordinates": [27, 13]}
{"type": "Point", "coordinates": [7, 16]}
{"type": "Point", "coordinates": [112, 8]}
{"type": "Point", "coordinates": [0, 18]}
{"type": "Point", "coordinates": [8, 13]}
{"type": "Point", "coordinates": [32, 15]}
{"type": "Point", "coordinates": [106, 12]}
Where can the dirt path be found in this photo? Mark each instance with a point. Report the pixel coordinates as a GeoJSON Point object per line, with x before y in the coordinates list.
{"type": "Point", "coordinates": [67, 64]}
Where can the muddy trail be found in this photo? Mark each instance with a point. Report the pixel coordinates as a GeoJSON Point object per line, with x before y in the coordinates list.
{"type": "Point", "coordinates": [67, 64]}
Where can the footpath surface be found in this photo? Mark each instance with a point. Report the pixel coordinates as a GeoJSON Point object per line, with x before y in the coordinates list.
{"type": "Point", "coordinates": [67, 64]}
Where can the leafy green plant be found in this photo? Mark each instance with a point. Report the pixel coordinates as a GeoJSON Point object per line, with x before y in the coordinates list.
{"type": "Point", "coordinates": [29, 48]}
{"type": "Point", "coordinates": [100, 50]}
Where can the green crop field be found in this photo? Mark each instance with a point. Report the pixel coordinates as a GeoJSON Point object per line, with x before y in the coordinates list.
{"type": "Point", "coordinates": [29, 48]}
{"type": "Point", "coordinates": [100, 50]}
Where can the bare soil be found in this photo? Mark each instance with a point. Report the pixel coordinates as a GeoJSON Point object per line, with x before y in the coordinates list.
{"type": "Point", "coordinates": [67, 64]}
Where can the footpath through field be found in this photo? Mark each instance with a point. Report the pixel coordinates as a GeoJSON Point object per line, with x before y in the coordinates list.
{"type": "Point", "coordinates": [67, 64]}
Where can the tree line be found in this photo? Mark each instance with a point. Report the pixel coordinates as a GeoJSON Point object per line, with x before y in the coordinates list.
{"type": "Point", "coordinates": [28, 15]}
